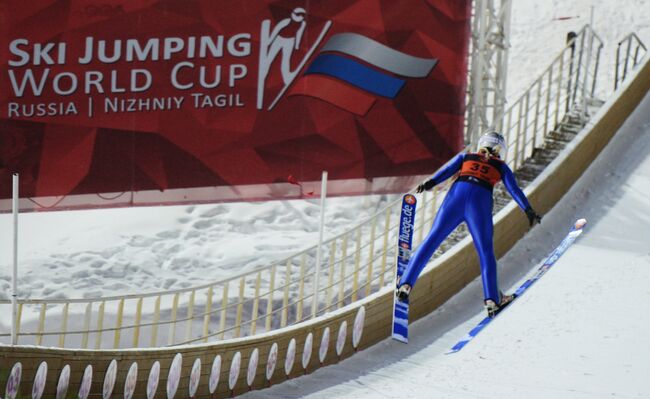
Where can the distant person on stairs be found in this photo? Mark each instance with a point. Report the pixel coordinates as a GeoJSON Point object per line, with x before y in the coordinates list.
{"type": "Point", "coordinates": [469, 200]}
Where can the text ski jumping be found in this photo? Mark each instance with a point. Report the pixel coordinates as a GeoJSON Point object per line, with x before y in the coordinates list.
{"type": "Point", "coordinates": [470, 200]}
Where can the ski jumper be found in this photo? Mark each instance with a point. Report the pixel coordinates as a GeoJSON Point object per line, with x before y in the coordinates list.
{"type": "Point", "coordinates": [469, 200]}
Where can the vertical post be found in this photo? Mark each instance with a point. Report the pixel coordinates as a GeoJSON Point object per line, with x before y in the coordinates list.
{"type": "Point", "coordinates": [154, 323]}
{"type": "Point", "coordinates": [301, 288]}
{"type": "Point", "coordinates": [41, 324]}
{"type": "Point", "coordinates": [547, 110]}
{"type": "Point", "coordinates": [330, 276]}
{"type": "Point", "coordinates": [190, 316]}
{"type": "Point", "coordinates": [524, 139]}
{"type": "Point", "coordinates": [256, 303]}
{"type": "Point", "coordinates": [18, 316]}
{"type": "Point", "coordinates": [423, 217]}
{"type": "Point", "coordinates": [240, 307]}
{"type": "Point", "coordinates": [478, 52]}
{"type": "Point", "coordinates": [384, 251]}
{"type": "Point", "coordinates": [590, 43]}
{"type": "Point", "coordinates": [537, 103]}
{"type": "Point", "coordinates": [208, 312]}
{"type": "Point", "coordinates": [224, 310]}
{"type": "Point", "coordinates": [506, 9]}
{"type": "Point", "coordinates": [518, 136]}
{"type": "Point", "coordinates": [571, 40]}
{"type": "Point", "coordinates": [118, 324]}
{"type": "Point", "coordinates": [582, 34]}
{"type": "Point", "coordinates": [172, 326]}
{"type": "Point", "coordinates": [64, 325]}
{"type": "Point", "coordinates": [269, 303]}
{"type": "Point", "coordinates": [138, 320]}
{"type": "Point", "coordinates": [285, 298]}
{"type": "Point", "coordinates": [357, 264]}
{"type": "Point", "coordinates": [618, 55]}
{"type": "Point", "coordinates": [636, 51]}
{"type": "Point", "coordinates": [371, 255]}
{"type": "Point", "coordinates": [319, 249]}
{"type": "Point", "coordinates": [559, 92]}
{"type": "Point", "coordinates": [14, 276]}
{"type": "Point", "coordinates": [434, 205]}
{"type": "Point", "coordinates": [596, 66]}
{"type": "Point", "coordinates": [87, 315]}
{"type": "Point", "coordinates": [100, 325]}
{"type": "Point", "coordinates": [627, 58]}
{"type": "Point", "coordinates": [344, 258]}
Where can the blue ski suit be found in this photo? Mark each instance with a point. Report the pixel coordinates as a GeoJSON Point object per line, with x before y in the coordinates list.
{"type": "Point", "coordinates": [469, 200]}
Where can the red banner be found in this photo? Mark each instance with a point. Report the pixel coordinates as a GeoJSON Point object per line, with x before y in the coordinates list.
{"type": "Point", "coordinates": [106, 103]}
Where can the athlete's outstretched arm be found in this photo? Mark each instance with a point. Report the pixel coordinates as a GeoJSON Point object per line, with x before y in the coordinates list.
{"type": "Point", "coordinates": [512, 187]}
{"type": "Point", "coordinates": [443, 174]}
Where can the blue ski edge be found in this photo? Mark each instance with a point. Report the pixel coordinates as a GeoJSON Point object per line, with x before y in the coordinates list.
{"type": "Point", "coordinates": [568, 240]}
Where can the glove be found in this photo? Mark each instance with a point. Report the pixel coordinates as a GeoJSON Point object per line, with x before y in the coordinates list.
{"type": "Point", "coordinates": [427, 185]}
{"type": "Point", "coordinates": [533, 216]}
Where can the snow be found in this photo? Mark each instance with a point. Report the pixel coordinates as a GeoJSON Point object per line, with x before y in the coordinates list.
{"type": "Point", "coordinates": [120, 251]}
{"type": "Point", "coordinates": [539, 30]}
{"type": "Point", "coordinates": [577, 333]}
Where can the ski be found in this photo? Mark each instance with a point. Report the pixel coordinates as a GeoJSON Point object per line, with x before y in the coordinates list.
{"type": "Point", "coordinates": [548, 263]}
{"type": "Point", "coordinates": [404, 243]}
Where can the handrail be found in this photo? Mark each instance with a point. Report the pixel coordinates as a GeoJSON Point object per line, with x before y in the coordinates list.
{"type": "Point", "coordinates": [631, 41]}
{"type": "Point", "coordinates": [355, 263]}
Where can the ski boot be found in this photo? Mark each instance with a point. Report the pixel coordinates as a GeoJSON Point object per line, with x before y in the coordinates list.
{"type": "Point", "coordinates": [402, 293]}
{"type": "Point", "coordinates": [493, 308]}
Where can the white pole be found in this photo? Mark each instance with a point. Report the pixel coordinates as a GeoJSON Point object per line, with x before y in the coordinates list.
{"type": "Point", "coordinates": [502, 73]}
{"type": "Point", "coordinates": [14, 278]}
{"type": "Point", "coordinates": [590, 41]}
{"type": "Point", "coordinates": [319, 250]}
{"type": "Point", "coordinates": [478, 54]}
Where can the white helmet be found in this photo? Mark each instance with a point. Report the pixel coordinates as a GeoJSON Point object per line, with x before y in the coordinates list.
{"type": "Point", "coordinates": [494, 143]}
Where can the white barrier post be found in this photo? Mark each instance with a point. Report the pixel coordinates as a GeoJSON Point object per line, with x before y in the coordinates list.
{"type": "Point", "coordinates": [14, 277]}
{"type": "Point", "coordinates": [319, 250]}
{"type": "Point", "coordinates": [589, 39]}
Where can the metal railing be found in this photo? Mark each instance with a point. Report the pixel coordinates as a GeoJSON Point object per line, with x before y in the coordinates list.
{"type": "Point", "coordinates": [355, 264]}
{"type": "Point", "coordinates": [633, 52]}
{"type": "Point", "coordinates": [568, 83]}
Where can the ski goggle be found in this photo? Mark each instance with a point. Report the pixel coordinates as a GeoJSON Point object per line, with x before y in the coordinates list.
{"type": "Point", "coordinates": [485, 151]}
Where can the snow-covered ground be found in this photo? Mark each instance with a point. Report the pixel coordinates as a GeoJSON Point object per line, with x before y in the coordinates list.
{"type": "Point", "coordinates": [539, 30]}
{"type": "Point", "coordinates": [84, 254]}
{"type": "Point", "coordinates": [580, 332]}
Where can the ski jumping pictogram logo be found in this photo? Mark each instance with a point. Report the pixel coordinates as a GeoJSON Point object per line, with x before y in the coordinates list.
{"type": "Point", "coordinates": [351, 71]}
{"type": "Point", "coordinates": [273, 44]}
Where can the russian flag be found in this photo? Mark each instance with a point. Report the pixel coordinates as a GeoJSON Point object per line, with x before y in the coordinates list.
{"type": "Point", "coordinates": [351, 71]}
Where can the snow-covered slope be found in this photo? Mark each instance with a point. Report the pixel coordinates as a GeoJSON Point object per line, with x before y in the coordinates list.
{"type": "Point", "coordinates": [580, 332]}
{"type": "Point", "coordinates": [539, 30]}
{"type": "Point", "coordinates": [109, 252]}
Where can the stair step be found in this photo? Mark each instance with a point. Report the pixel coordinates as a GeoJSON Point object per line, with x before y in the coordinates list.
{"type": "Point", "coordinates": [571, 129]}
{"type": "Point", "coordinates": [554, 145]}
{"type": "Point", "coordinates": [560, 136]}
